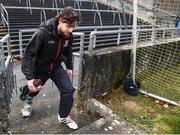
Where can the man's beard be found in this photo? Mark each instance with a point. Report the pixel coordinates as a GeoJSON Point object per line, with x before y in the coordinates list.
{"type": "Point", "coordinates": [66, 35]}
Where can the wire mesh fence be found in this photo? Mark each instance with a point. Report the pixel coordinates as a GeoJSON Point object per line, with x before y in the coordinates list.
{"type": "Point", "coordinates": [158, 70]}
{"type": "Point", "coordinates": [158, 66]}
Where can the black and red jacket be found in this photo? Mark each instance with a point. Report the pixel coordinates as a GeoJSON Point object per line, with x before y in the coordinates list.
{"type": "Point", "coordinates": [46, 51]}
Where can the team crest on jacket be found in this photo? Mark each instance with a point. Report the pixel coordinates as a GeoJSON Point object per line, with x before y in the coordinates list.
{"type": "Point", "coordinates": [51, 42]}
{"type": "Point", "coordinates": [66, 43]}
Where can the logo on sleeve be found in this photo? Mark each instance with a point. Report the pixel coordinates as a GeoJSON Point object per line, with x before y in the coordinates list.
{"type": "Point", "coordinates": [51, 42]}
{"type": "Point", "coordinates": [66, 43]}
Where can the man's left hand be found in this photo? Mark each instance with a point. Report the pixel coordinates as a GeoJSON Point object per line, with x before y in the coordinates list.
{"type": "Point", "coordinates": [70, 73]}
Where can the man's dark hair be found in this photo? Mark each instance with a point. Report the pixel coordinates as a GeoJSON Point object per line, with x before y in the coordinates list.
{"type": "Point", "coordinates": [68, 15]}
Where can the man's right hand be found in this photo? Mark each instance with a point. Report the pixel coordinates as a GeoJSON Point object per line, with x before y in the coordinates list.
{"type": "Point", "coordinates": [31, 85]}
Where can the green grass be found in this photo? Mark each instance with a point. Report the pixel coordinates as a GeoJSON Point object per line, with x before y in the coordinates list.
{"type": "Point", "coordinates": [164, 81]}
{"type": "Point", "coordinates": [173, 124]}
{"type": "Point", "coordinates": [143, 112]}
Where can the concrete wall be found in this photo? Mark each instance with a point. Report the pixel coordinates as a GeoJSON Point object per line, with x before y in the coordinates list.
{"type": "Point", "coordinates": [103, 71]}
{"type": "Point", "coordinates": [3, 107]}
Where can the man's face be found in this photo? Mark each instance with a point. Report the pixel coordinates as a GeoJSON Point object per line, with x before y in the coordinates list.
{"type": "Point", "coordinates": [65, 28]}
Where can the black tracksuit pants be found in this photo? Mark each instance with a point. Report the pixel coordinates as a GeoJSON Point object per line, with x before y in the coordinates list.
{"type": "Point", "coordinates": [66, 89]}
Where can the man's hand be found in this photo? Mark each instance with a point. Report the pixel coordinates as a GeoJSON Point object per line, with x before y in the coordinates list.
{"type": "Point", "coordinates": [31, 85]}
{"type": "Point", "coordinates": [70, 73]}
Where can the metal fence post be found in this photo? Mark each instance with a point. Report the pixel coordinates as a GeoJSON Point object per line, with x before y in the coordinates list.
{"type": "Point", "coordinates": [172, 35]}
{"type": "Point", "coordinates": [164, 32]}
{"type": "Point", "coordinates": [43, 13]}
{"type": "Point", "coordinates": [91, 42]}
{"type": "Point", "coordinates": [78, 56]}
{"type": "Point", "coordinates": [81, 59]}
{"type": "Point", "coordinates": [94, 39]}
{"type": "Point", "coordinates": [20, 44]}
{"type": "Point", "coordinates": [153, 35]}
{"type": "Point", "coordinates": [119, 37]}
{"type": "Point", "coordinates": [2, 61]}
{"type": "Point", "coordinates": [134, 39]}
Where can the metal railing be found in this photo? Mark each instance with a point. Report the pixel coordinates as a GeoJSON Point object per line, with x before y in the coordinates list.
{"type": "Point", "coordinates": [143, 35]}
{"type": "Point", "coordinates": [43, 15]}
{"type": "Point", "coordinates": [7, 70]}
{"type": "Point", "coordinates": [119, 17]}
{"type": "Point", "coordinates": [97, 12]}
{"type": "Point", "coordinates": [83, 29]}
{"type": "Point", "coordinates": [55, 5]}
{"type": "Point", "coordinates": [42, 1]}
{"type": "Point", "coordinates": [21, 31]}
{"type": "Point", "coordinates": [78, 3]}
{"type": "Point", "coordinates": [28, 6]}
{"type": "Point", "coordinates": [78, 58]}
{"type": "Point", "coordinates": [62, 2]}
{"type": "Point", "coordinates": [19, 1]}
{"type": "Point", "coordinates": [4, 17]}
{"type": "Point", "coordinates": [111, 27]}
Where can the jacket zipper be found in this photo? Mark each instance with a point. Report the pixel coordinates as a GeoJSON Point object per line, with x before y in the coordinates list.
{"type": "Point", "coordinates": [58, 51]}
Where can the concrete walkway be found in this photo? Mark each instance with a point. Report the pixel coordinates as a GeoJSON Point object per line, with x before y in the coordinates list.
{"type": "Point", "coordinates": [44, 118]}
{"type": "Point", "coordinates": [110, 124]}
